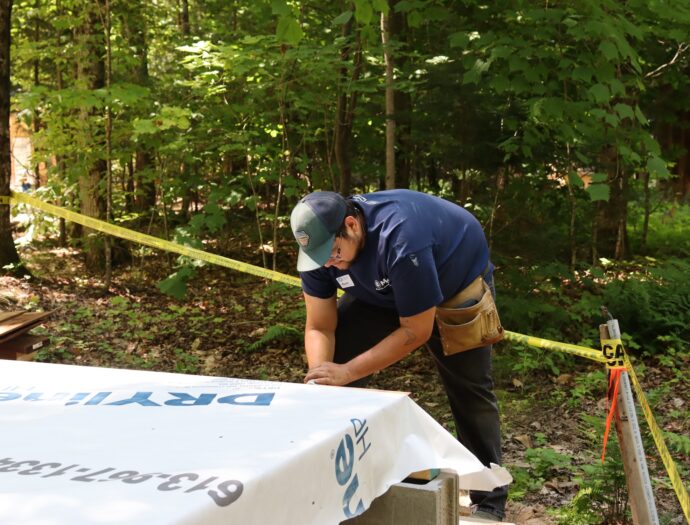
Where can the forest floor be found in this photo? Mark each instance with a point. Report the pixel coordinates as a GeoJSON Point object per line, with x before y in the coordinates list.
{"type": "Point", "coordinates": [234, 325]}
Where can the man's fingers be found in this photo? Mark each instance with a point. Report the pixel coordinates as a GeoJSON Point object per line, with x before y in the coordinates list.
{"type": "Point", "coordinates": [314, 375]}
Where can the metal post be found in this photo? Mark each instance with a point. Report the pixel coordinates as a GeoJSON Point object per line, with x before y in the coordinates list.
{"type": "Point", "coordinates": [640, 492]}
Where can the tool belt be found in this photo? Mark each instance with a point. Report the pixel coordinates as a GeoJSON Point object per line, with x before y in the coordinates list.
{"type": "Point", "coordinates": [465, 328]}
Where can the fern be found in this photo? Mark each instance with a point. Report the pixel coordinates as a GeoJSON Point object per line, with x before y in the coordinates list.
{"type": "Point", "coordinates": [678, 443]}
{"type": "Point", "coordinates": [277, 332]}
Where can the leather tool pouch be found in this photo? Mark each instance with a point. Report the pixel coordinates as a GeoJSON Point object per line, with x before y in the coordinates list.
{"type": "Point", "coordinates": [467, 327]}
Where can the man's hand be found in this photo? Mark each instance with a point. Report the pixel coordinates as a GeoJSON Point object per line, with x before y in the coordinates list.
{"type": "Point", "coordinates": [328, 373]}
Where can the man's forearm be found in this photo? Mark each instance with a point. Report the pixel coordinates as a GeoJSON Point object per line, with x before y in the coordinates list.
{"type": "Point", "coordinates": [388, 351]}
{"type": "Point", "coordinates": [319, 347]}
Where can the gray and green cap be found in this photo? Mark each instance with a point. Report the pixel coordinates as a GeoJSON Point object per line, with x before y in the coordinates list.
{"type": "Point", "coordinates": [315, 222]}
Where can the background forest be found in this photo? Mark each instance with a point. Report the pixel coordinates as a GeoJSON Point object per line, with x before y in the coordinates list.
{"type": "Point", "coordinates": [563, 126]}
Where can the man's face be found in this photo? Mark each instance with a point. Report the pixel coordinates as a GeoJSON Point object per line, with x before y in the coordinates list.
{"type": "Point", "coordinates": [346, 248]}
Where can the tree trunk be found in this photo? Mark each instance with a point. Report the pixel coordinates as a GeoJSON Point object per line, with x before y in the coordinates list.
{"type": "Point", "coordinates": [128, 186]}
{"type": "Point", "coordinates": [647, 212]}
{"type": "Point", "coordinates": [135, 32]}
{"type": "Point", "coordinates": [109, 150]}
{"type": "Point", "coordinates": [397, 31]}
{"type": "Point", "coordinates": [60, 160]}
{"type": "Point", "coordinates": [612, 237]}
{"type": "Point", "coordinates": [620, 202]}
{"type": "Point", "coordinates": [92, 71]}
{"type": "Point", "coordinates": [572, 229]}
{"type": "Point", "coordinates": [683, 164]}
{"type": "Point", "coordinates": [675, 142]}
{"type": "Point", "coordinates": [500, 185]}
{"type": "Point", "coordinates": [37, 114]}
{"type": "Point", "coordinates": [185, 168]}
{"type": "Point", "coordinates": [346, 109]}
{"type": "Point", "coordinates": [8, 252]}
{"type": "Point", "coordinates": [390, 104]}
{"type": "Point", "coordinates": [184, 17]}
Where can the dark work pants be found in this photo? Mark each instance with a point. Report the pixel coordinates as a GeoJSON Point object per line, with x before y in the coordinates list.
{"type": "Point", "coordinates": [466, 378]}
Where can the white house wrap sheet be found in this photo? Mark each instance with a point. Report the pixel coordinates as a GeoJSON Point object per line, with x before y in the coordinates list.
{"type": "Point", "coordinates": [82, 445]}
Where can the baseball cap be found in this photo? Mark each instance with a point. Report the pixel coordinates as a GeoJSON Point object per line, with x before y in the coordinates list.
{"type": "Point", "coordinates": [315, 221]}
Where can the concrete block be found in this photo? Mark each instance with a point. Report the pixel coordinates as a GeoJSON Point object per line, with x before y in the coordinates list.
{"type": "Point", "coordinates": [433, 502]}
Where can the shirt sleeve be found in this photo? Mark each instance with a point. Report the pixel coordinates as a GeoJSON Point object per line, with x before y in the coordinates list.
{"type": "Point", "coordinates": [415, 283]}
{"type": "Point", "coordinates": [318, 283]}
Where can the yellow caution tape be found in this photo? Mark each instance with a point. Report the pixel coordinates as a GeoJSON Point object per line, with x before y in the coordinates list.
{"type": "Point", "coordinates": [613, 352]}
{"type": "Point", "coordinates": [582, 351]}
{"type": "Point", "coordinates": [609, 354]}
{"type": "Point", "coordinates": [154, 242]}
{"type": "Point", "coordinates": [671, 470]}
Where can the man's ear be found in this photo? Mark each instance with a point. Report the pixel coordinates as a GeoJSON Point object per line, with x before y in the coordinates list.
{"type": "Point", "coordinates": [352, 223]}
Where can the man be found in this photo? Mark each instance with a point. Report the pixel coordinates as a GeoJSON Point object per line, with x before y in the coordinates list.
{"type": "Point", "coordinates": [398, 255]}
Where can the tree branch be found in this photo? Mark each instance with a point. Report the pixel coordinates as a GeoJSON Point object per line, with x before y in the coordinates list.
{"type": "Point", "coordinates": [682, 48]}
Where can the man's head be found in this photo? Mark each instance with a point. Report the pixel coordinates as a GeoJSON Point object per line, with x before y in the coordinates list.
{"type": "Point", "coordinates": [315, 222]}
{"type": "Point", "coordinates": [327, 229]}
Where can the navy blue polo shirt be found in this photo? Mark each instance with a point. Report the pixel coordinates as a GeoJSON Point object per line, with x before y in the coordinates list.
{"type": "Point", "coordinates": [419, 251]}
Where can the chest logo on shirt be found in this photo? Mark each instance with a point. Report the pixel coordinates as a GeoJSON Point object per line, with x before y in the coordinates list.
{"type": "Point", "coordinates": [382, 284]}
{"type": "Point", "coordinates": [345, 281]}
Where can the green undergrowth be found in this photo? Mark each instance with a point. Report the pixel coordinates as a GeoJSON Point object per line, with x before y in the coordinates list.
{"type": "Point", "coordinates": [649, 297]}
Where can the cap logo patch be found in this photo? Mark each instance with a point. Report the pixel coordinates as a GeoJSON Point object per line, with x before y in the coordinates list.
{"type": "Point", "coordinates": [302, 238]}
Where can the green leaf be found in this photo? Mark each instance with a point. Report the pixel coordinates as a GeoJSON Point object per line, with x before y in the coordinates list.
{"type": "Point", "coordinates": [381, 6]}
{"type": "Point", "coordinates": [553, 107]}
{"type": "Point", "coordinates": [475, 73]}
{"type": "Point", "coordinates": [436, 13]}
{"type": "Point", "coordinates": [628, 155]}
{"type": "Point", "coordinates": [582, 73]}
{"type": "Point", "coordinates": [624, 111]}
{"type": "Point", "coordinates": [598, 192]}
{"type": "Point", "coordinates": [143, 126]}
{"type": "Point", "coordinates": [502, 51]}
{"type": "Point", "coordinates": [415, 19]}
{"type": "Point", "coordinates": [173, 117]}
{"type": "Point", "coordinates": [609, 50]}
{"type": "Point", "coordinates": [175, 285]}
{"type": "Point", "coordinates": [363, 11]}
{"type": "Point", "coordinates": [289, 31]}
{"type": "Point", "coordinates": [500, 84]}
{"type": "Point", "coordinates": [598, 113]}
{"type": "Point", "coordinates": [600, 93]}
{"type": "Point", "coordinates": [605, 72]}
{"type": "Point", "coordinates": [612, 120]}
{"type": "Point", "coordinates": [516, 63]}
{"type": "Point", "coordinates": [408, 5]}
{"type": "Point", "coordinates": [599, 177]}
{"type": "Point", "coordinates": [371, 36]}
{"type": "Point", "coordinates": [215, 217]}
{"type": "Point", "coordinates": [129, 94]}
{"type": "Point", "coordinates": [280, 7]}
{"type": "Point", "coordinates": [597, 272]}
{"type": "Point", "coordinates": [459, 39]}
{"type": "Point", "coordinates": [640, 116]}
{"type": "Point", "coordinates": [582, 157]}
{"type": "Point", "coordinates": [616, 87]}
{"type": "Point", "coordinates": [575, 179]}
{"type": "Point", "coordinates": [343, 18]}
{"type": "Point", "coordinates": [657, 168]}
